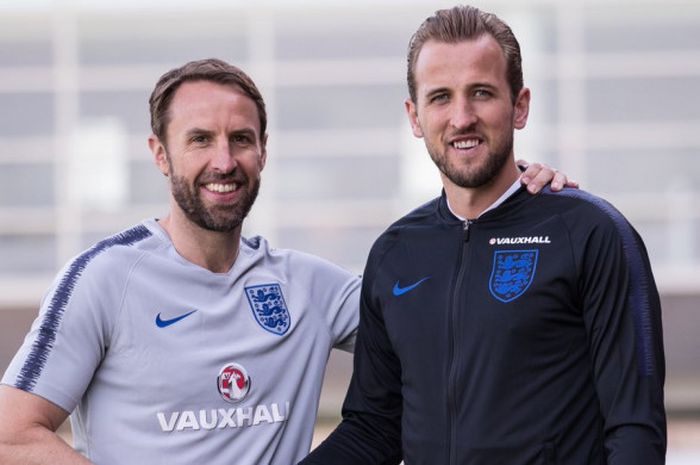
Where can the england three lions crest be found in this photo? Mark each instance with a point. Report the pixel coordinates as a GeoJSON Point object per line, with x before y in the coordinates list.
{"type": "Point", "coordinates": [512, 273]}
{"type": "Point", "coordinates": [268, 306]}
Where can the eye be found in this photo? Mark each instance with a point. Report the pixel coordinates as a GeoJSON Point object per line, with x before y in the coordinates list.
{"type": "Point", "coordinates": [439, 98]}
{"type": "Point", "coordinates": [199, 139]}
{"type": "Point", "coordinates": [483, 93]}
{"type": "Point", "coordinates": [241, 139]}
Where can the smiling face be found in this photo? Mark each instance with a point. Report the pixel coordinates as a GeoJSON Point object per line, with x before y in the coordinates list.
{"type": "Point", "coordinates": [213, 154]}
{"type": "Point", "coordinates": [464, 110]}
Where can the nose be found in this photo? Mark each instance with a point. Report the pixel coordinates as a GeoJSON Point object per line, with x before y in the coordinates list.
{"type": "Point", "coordinates": [462, 114]}
{"type": "Point", "coordinates": [223, 159]}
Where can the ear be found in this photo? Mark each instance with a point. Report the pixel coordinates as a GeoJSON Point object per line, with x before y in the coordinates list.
{"type": "Point", "coordinates": [521, 109]}
{"type": "Point", "coordinates": [263, 152]}
{"type": "Point", "coordinates": [160, 155]}
{"type": "Point", "coordinates": [412, 113]}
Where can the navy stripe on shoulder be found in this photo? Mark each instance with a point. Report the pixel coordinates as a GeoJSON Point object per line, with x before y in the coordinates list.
{"type": "Point", "coordinates": [637, 293]}
{"type": "Point", "coordinates": [36, 360]}
{"type": "Point", "coordinates": [253, 242]}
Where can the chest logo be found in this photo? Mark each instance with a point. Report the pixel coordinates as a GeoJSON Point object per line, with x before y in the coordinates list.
{"type": "Point", "coordinates": [161, 323]}
{"type": "Point", "coordinates": [233, 383]}
{"type": "Point", "coordinates": [398, 290]}
{"type": "Point", "coordinates": [268, 306]}
{"type": "Point", "coordinates": [512, 273]}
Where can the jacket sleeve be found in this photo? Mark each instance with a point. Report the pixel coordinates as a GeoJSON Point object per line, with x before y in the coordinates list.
{"type": "Point", "coordinates": [370, 432]}
{"type": "Point", "coordinates": [622, 313]}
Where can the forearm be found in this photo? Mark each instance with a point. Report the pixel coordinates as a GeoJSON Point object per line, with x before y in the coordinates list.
{"type": "Point", "coordinates": [37, 446]}
{"type": "Point", "coordinates": [28, 425]}
{"type": "Point", "coordinates": [370, 433]}
{"type": "Point", "coordinates": [358, 441]}
{"type": "Point", "coordinates": [636, 444]}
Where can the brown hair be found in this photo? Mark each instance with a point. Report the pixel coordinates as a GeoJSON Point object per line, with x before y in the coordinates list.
{"type": "Point", "coordinates": [210, 69]}
{"type": "Point", "coordinates": [462, 23]}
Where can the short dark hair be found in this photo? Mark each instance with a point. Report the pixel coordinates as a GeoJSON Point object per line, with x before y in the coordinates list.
{"type": "Point", "coordinates": [460, 23]}
{"type": "Point", "coordinates": [209, 69]}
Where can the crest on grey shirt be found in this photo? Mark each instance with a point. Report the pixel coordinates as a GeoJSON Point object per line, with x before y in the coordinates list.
{"type": "Point", "coordinates": [512, 273]}
{"type": "Point", "coordinates": [269, 308]}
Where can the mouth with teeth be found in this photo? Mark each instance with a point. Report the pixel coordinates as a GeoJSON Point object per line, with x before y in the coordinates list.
{"type": "Point", "coordinates": [221, 188]}
{"type": "Point", "coordinates": [466, 144]}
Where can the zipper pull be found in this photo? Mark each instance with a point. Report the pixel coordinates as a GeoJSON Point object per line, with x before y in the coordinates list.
{"type": "Point", "coordinates": [465, 227]}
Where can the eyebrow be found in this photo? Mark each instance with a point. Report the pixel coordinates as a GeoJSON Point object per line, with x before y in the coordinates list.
{"type": "Point", "coordinates": [486, 85]}
{"type": "Point", "coordinates": [196, 132]}
{"type": "Point", "coordinates": [244, 131]}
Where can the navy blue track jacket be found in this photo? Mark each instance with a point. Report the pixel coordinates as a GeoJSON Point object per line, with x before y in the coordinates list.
{"type": "Point", "coordinates": [531, 335]}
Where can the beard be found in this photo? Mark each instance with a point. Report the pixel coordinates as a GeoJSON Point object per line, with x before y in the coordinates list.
{"type": "Point", "coordinates": [473, 176]}
{"type": "Point", "coordinates": [219, 218]}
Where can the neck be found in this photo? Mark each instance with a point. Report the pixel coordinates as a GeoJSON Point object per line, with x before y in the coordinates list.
{"type": "Point", "coordinates": [212, 250]}
{"type": "Point", "coordinates": [468, 202]}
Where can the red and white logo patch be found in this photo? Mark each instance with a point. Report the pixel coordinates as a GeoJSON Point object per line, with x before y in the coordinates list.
{"type": "Point", "coordinates": [233, 383]}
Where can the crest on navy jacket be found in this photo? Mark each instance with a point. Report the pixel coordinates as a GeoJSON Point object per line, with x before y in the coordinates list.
{"type": "Point", "coordinates": [268, 306]}
{"type": "Point", "coordinates": [512, 273]}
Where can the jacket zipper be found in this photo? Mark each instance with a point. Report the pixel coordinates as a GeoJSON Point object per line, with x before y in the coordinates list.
{"type": "Point", "coordinates": [452, 353]}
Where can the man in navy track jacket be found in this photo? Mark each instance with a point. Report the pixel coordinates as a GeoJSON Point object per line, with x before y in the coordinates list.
{"type": "Point", "coordinates": [499, 327]}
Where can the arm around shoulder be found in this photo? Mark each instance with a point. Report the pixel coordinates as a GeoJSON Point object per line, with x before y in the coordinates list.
{"type": "Point", "coordinates": [28, 431]}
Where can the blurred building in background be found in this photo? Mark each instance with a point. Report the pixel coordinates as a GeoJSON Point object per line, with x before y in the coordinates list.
{"type": "Point", "coordinates": [615, 104]}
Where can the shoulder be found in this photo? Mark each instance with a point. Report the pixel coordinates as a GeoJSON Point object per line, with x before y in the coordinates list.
{"type": "Point", "coordinates": [581, 206]}
{"type": "Point", "coordinates": [426, 214]}
{"type": "Point", "coordinates": [288, 262]}
{"type": "Point", "coordinates": [112, 256]}
{"type": "Point", "coordinates": [592, 221]}
{"type": "Point", "coordinates": [422, 218]}
{"type": "Point", "coordinates": [134, 239]}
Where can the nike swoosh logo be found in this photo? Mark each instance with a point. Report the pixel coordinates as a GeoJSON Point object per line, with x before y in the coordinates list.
{"type": "Point", "coordinates": [163, 323]}
{"type": "Point", "coordinates": [398, 290]}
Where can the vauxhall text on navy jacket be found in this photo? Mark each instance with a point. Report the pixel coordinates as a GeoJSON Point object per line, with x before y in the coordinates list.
{"type": "Point", "coordinates": [531, 335]}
